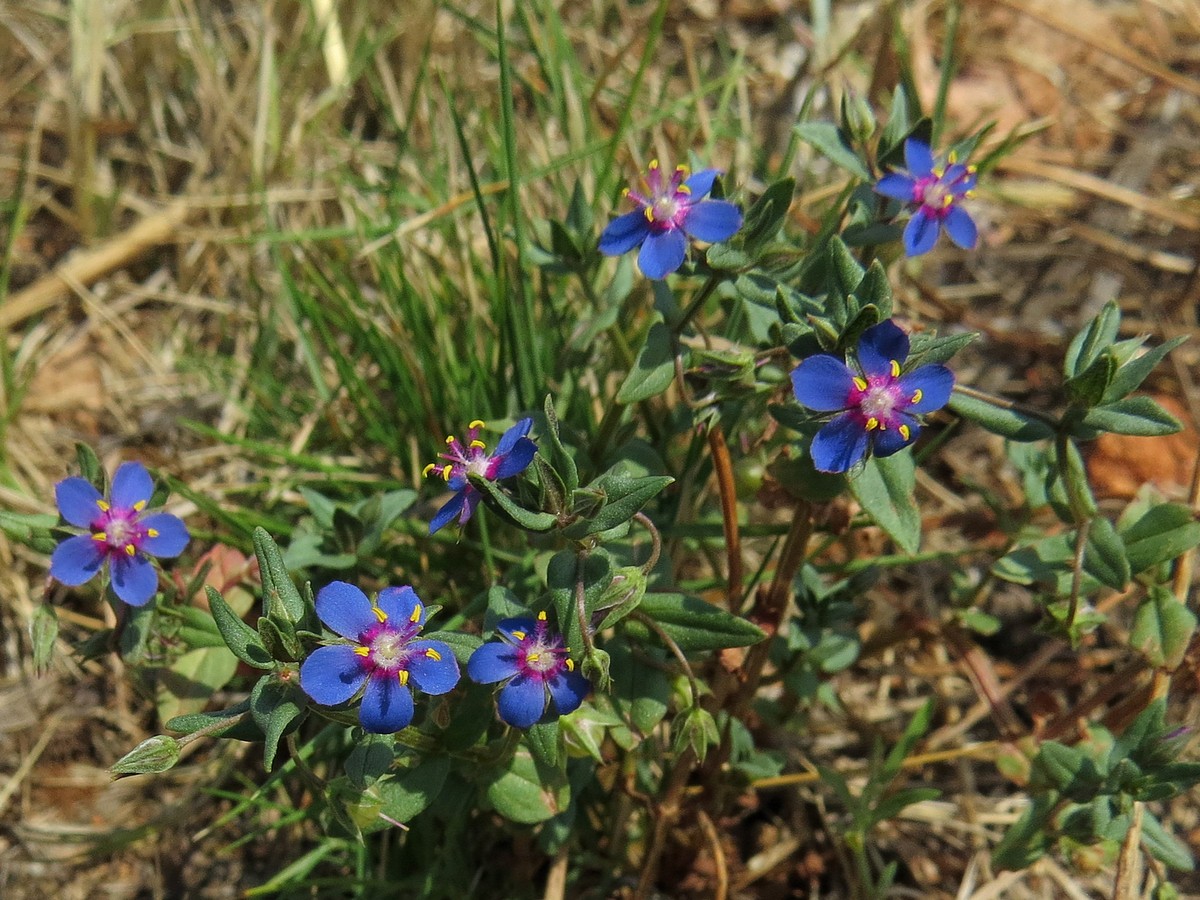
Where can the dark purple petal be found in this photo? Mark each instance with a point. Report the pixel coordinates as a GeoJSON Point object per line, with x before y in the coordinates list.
{"type": "Point", "coordinates": [662, 254]}
{"type": "Point", "coordinates": [134, 579]}
{"type": "Point", "coordinates": [712, 220]}
{"type": "Point", "coordinates": [624, 233]}
{"type": "Point", "coordinates": [77, 499]}
{"type": "Point", "coordinates": [897, 186]}
{"type": "Point", "coordinates": [345, 610]}
{"type": "Point", "coordinates": [432, 667]}
{"type": "Point", "coordinates": [918, 157]}
{"type": "Point", "coordinates": [451, 509]}
{"type": "Point", "coordinates": [840, 444]}
{"type": "Point", "coordinates": [700, 183]}
{"type": "Point", "coordinates": [471, 499]}
{"type": "Point", "coordinates": [935, 383]}
{"type": "Point", "coordinates": [516, 460]}
{"type": "Point", "coordinates": [494, 661]}
{"type": "Point", "coordinates": [568, 691]}
{"type": "Point", "coordinates": [921, 233]}
{"type": "Point", "coordinates": [823, 383]}
{"type": "Point", "coordinates": [131, 485]}
{"type": "Point", "coordinates": [76, 560]}
{"type": "Point", "coordinates": [885, 443]}
{"type": "Point", "coordinates": [400, 605]}
{"type": "Point", "coordinates": [516, 630]}
{"type": "Point", "coordinates": [172, 535]}
{"type": "Point", "coordinates": [522, 702]}
{"type": "Point", "coordinates": [961, 227]}
{"type": "Point", "coordinates": [512, 437]}
{"type": "Point", "coordinates": [880, 346]}
{"type": "Point", "coordinates": [387, 705]}
{"type": "Point", "coordinates": [333, 674]}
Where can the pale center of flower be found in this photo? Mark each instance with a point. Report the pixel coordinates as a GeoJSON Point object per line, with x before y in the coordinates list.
{"type": "Point", "coordinates": [541, 659]}
{"type": "Point", "coordinates": [879, 402]}
{"type": "Point", "coordinates": [387, 650]}
{"type": "Point", "coordinates": [478, 464]}
{"type": "Point", "coordinates": [119, 532]}
{"type": "Point", "coordinates": [664, 209]}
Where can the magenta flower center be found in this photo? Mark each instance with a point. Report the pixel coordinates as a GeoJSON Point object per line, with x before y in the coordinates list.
{"type": "Point", "coordinates": [120, 531]}
{"type": "Point", "coordinates": [540, 655]}
{"type": "Point", "coordinates": [466, 457]}
{"type": "Point", "coordinates": [880, 400]}
{"type": "Point", "coordinates": [388, 650]}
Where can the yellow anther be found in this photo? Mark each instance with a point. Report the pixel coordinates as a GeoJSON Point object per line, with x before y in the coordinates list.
{"type": "Point", "coordinates": [429, 468]}
{"type": "Point", "coordinates": [872, 423]}
{"type": "Point", "coordinates": [684, 189]}
{"type": "Point", "coordinates": [519, 635]}
{"type": "Point", "coordinates": [570, 665]}
{"type": "Point", "coordinates": [139, 506]}
{"type": "Point", "coordinates": [130, 550]}
{"type": "Point", "coordinates": [542, 616]}
{"type": "Point", "coordinates": [450, 439]}
{"type": "Point", "coordinates": [99, 536]}
{"type": "Point", "coordinates": [917, 395]}
{"type": "Point", "coordinates": [905, 432]}
{"type": "Point", "coordinates": [532, 657]}
{"type": "Point", "coordinates": [683, 169]}
{"type": "Point", "coordinates": [654, 164]}
{"type": "Point", "coordinates": [403, 676]}
{"type": "Point", "coordinates": [952, 157]}
{"type": "Point", "coordinates": [363, 651]}
{"type": "Point", "coordinates": [649, 213]}
{"type": "Point", "coordinates": [104, 506]}
{"type": "Point", "coordinates": [433, 654]}
{"type": "Point", "coordinates": [479, 444]}
{"type": "Point", "coordinates": [971, 170]}
{"type": "Point", "coordinates": [379, 614]}
{"type": "Point", "coordinates": [626, 192]}
{"type": "Point", "coordinates": [151, 532]}
{"type": "Point", "coordinates": [477, 423]}
{"type": "Point", "coordinates": [446, 470]}
{"type": "Point", "coordinates": [969, 194]}
{"type": "Point", "coordinates": [948, 201]}
{"type": "Point", "coordinates": [416, 613]}
{"type": "Point", "coordinates": [861, 384]}
{"type": "Point", "coordinates": [895, 369]}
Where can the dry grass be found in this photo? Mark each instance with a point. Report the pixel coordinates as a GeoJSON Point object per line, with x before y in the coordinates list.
{"type": "Point", "coordinates": [152, 150]}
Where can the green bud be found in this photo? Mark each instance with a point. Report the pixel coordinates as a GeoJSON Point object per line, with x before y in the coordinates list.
{"type": "Point", "coordinates": [156, 754]}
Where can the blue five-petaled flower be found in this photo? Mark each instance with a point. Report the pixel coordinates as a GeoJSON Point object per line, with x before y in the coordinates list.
{"type": "Point", "coordinates": [935, 188]}
{"type": "Point", "coordinates": [534, 665]}
{"type": "Point", "coordinates": [120, 533]}
{"type": "Point", "coordinates": [877, 406]}
{"type": "Point", "coordinates": [512, 456]}
{"type": "Point", "coordinates": [381, 651]}
{"type": "Point", "coordinates": [669, 212]}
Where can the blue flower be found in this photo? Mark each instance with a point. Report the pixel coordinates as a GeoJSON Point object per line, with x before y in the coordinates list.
{"type": "Point", "coordinates": [877, 406]}
{"type": "Point", "coordinates": [380, 651]}
{"type": "Point", "coordinates": [669, 212]}
{"type": "Point", "coordinates": [120, 534]}
{"type": "Point", "coordinates": [935, 189]}
{"type": "Point", "coordinates": [513, 455]}
{"type": "Point", "coordinates": [540, 681]}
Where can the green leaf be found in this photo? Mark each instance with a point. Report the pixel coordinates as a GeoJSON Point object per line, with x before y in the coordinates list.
{"type": "Point", "coordinates": [1097, 335]}
{"type": "Point", "coordinates": [461, 643]}
{"type": "Point", "coordinates": [196, 721]}
{"type": "Point", "coordinates": [1165, 532]}
{"type": "Point", "coordinates": [1073, 473]}
{"type": "Point", "coordinates": [846, 273]}
{"type": "Point", "coordinates": [410, 791]}
{"type": "Point", "coordinates": [1090, 385]}
{"type": "Point", "coordinates": [1139, 416]}
{"type": "Point", "coordinates": [1162, 628]}
{"type": "Point", "coordinates": [543, 742]}
{"type": "Point", "coordinates": [153, 755]}
{"type": "Point", "coordinates": [561, 576]}
{"type": "Point", "coordinates": [279, 591]}
{"type": "Point", "coordinates": [90, 467]}
{"type": "Point", "coordinates": [561, 459]}
{"type": "Point", "coordinates": [694, 624]}
{"type": "Point", "coordinates": [654, 369]}
{"type": "Point", "coordinates": [926, 347]}
{"type": "Point", "coordinates": [527, 793]}
{"type": "Point", "coordinates": [834, 144]}
{"type": "Point", "coordinates": [622, 496]}
{"type": "Point", "coordinates": [641, 692]}
{"type": "Point", "coordinates": [44, 632]}
{"type": "Point", "coordinates": [1027, 839]}
{"type": "Point", "coordinates": [622, 596]}
{"type": "Point", "coordinates": [1163, 845]}
{"type": "Point", "coordinates": [188, 684]}
{"type": "Point", "coordinates": [875, 290]}
{"type": "Point", "coordinates": [1130, 376]}
{"type": "Point", "coordinates": [503, 504]}
{"type": "Point", "coordinates": [767, 215]}
{"type": "Point", "coordinates": [371, 759]}
{"type": "Point", "coordinates": [885, 488]}
{"type": "Point", "coordinates": [277, 708]}
{"type": "Point", "coordinates": [1009, 423]}
{"type": "Point", "coordinates": [239, 636]}
{"type": "Point", "coordinates": [1104, 556]}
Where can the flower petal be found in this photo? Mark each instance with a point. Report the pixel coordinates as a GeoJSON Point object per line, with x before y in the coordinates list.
{"type": "Point", "coordinates": [345, 609]}
{"type": "Point", "coordinates": [522, 702]}
{"type": "Point", "coordinates": [134, 579]}
{"type": "Point", "coordinates": [76, 560]}
{"type": "Point", "coordinates": [921, 233]}
{"type": "Point", "coordinates": [131, 485]}
{"type": "Point", "coordinates": [624, 233]}
{"type": "Point", "coordinates": [512, 437]}
{"type": "Point", "coordinates": [451, 509]}
{"type": "Point", "coordinates": [333, 674]}
{"type": "Point", "coordinates": [516, 460]}
{"type": "Point", "coordinates": [387, 705]}
{"type": "Point", "coordinates": [492, 662]}
{"type": "Point", "coordinates": [700, 183]}
{"type": "Point", "coordinates": [432, 667]}
{"type": "Point", "coordinates": [712, 220]}
{"type": "Point", "coordinates": [885, 443]}
{"type": "Point", "coordinates": [172, 535]}
{"type": "Point", "coordinates": [568, 691]}
{"type": "Point", "coordinates": [662, 254]}
{"type": "Point", "coordinates": [935, 382]}
{"type": "Point", "coordinates": [400, 604]}
{"type": "Point", "coordinates": [471, 498]}
{"type": "Point", "coordinates": [898, 186]}
{"type": "Point", "coordinates": [516, 630]}
{"type": "Point", "coordinates": [880, 346]}
{"type": "Point", "coordinates": [840, 444]}
{"type": "Point", "coordinates": [77, 499]}
{"type": "Point", "coordinates": [823, 383]}
{"type": "Point", "coordinates": [961, 228]}
{"type": "Point", "coordinates": [918, 157]}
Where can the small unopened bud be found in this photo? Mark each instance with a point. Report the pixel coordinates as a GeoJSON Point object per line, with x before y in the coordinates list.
{"type": "Point", "coordinates": [156, 754]}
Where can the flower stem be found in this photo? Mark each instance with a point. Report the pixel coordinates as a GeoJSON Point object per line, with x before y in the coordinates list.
{"type": "Point", "coordinates": [656, 539]}
{"type": "Point", "coordinates": [697, 302]}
